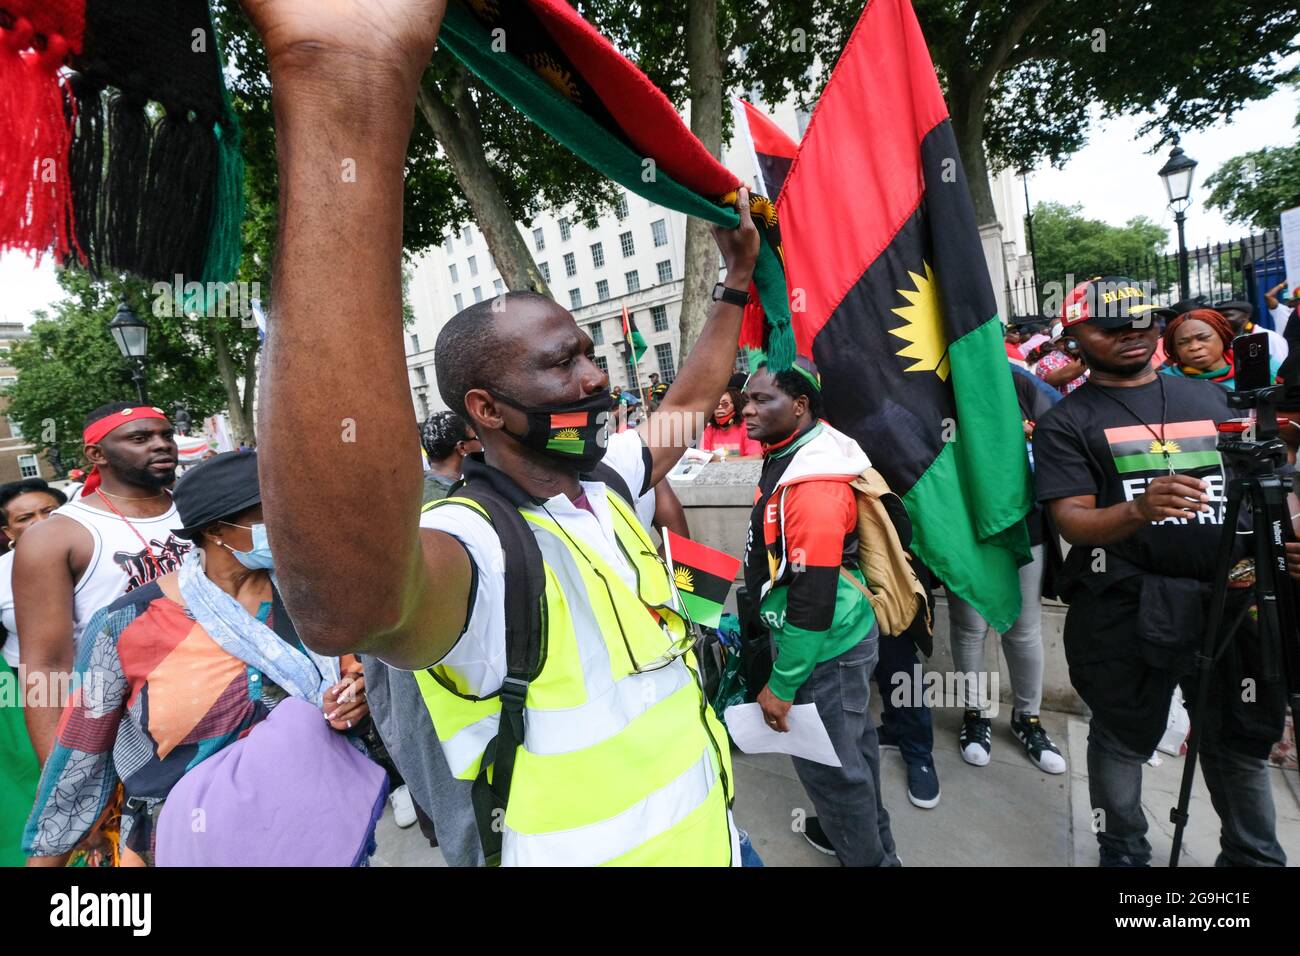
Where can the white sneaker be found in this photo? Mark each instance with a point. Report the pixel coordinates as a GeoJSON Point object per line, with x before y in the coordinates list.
{"type": "Point", "coordinates": [403, 807]}
{"type": "Point", "coordinates": [975, 739]}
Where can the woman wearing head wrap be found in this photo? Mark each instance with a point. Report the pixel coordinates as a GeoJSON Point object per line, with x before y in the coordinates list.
{"type": "Point", "coordinates": [174, 673]}
{"type": "Point", "coordinates": [1199, 345]}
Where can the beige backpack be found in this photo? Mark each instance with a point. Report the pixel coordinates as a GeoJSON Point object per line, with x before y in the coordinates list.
{"type": "Point", "coordinates": [895, 592]}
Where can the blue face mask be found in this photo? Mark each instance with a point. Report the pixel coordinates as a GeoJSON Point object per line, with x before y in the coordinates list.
{"type": "Point", "coordinates": [259, 559]}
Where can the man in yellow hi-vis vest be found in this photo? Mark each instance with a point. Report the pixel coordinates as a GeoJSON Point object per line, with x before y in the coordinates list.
{"type": "Point", "coordinates": [622, 760]}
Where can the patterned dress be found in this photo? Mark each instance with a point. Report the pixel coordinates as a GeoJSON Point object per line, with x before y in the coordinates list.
{"type": "Point", "coordinates": [156, 696]}
{"type": "Point", "coordinates": [1054, 360]}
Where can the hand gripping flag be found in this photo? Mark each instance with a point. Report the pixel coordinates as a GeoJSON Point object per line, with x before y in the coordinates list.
{"type": "Point", "coordinates": [550, 64]}
{"type": "Point", "coordinates": [900, 315]}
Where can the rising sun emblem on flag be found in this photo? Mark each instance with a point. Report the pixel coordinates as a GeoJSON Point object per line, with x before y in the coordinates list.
{"type": "Point", "coordinates": [685, 580]}
{"type": "Point", "coordinates": [567, 434]}
{"type": "Point", "coordinates": [928, 346]}
{"type": "Point", "coordinates": [1169, 447]}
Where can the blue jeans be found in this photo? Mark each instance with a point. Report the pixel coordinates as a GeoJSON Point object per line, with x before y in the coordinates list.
{"type": "Point", "coordinates": [910, 726]}
{"type": "Point", "coordinates": [847, 798]}
{"type": "Point", "coordinates": [1239, 789]}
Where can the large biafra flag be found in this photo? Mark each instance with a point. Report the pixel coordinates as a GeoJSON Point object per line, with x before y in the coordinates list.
{"type": "Point", "coordinates": [553, 66]}
{"type": "Point", "coordinates": [881, 243]}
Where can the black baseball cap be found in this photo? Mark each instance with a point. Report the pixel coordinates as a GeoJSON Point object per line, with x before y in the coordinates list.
{"type": "Point", "coordinates": [214, 489]}
{"type": "Point", "coordinates": [1110, 302]}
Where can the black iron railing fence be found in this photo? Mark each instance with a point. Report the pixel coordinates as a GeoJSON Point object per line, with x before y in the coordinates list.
{"type": "Point", "coordinates": [1240, 269]}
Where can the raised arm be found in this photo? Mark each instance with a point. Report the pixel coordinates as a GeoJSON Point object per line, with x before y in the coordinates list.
{"type": "Point", "coordinates": [704, 373]}
{"type": "Point", "coordinates": [340, 462]}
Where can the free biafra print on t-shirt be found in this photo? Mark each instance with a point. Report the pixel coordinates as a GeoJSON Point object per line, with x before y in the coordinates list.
{"type": "Point", "coordinates": [1113, 442]}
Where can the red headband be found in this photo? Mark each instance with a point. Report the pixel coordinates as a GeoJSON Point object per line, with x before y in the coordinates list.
{"type": "Point", "coordinates": [97, 431]}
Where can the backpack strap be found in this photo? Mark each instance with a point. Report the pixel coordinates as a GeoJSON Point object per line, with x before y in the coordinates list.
{"type": "Point", "coordinates": [525, 576]}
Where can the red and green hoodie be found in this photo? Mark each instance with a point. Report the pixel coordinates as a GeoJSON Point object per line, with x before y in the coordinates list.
{"type": "Point", "coordinates": [805, 515]}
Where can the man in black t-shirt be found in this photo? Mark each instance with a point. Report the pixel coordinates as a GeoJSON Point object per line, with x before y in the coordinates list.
{"type": "Point", "coordinates": [1128, 465]}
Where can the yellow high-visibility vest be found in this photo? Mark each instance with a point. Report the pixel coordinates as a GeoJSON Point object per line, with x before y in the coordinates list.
{"type": "Point", "coordinates": [617, 767]}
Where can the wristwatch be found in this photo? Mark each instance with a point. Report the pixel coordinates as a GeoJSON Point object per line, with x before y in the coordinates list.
{"type": "Point", "coordinates": [732, 296]}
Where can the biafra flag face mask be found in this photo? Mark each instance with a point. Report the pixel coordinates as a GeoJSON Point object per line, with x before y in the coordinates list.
{"type": "Point", "coordinates": [573, 434]}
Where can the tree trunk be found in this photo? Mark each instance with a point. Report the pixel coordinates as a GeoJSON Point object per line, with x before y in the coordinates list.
{"type": "Point", "coordinates": [240, 413]}
{"type": "Point", "coordinates": [457, 132]}
{"type": "Point", "coordinates": [967, 111]}
{"type": "Point", "coordinates": [704, 75]}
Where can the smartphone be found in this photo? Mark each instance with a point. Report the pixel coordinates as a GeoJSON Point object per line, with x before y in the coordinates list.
{"type": "Point", "coordinates": [1250, 353]}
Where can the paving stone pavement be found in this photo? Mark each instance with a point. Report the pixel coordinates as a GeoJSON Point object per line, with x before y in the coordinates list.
{"type": "Point", "coordinates": [1008, 813]}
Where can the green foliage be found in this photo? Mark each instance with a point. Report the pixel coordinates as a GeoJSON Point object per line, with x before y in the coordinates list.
{"type": "Point", "coordinates": [71, 364]}
{"type": "Point", "coordinates": [1070, 247]}
{"type": "Point", "coordinates": [1255, 188]}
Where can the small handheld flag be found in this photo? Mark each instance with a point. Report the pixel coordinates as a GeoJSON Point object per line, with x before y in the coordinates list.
{"type": "Point", "coordinates": [633, 337]}
{"type": "Point", "coordinates": [702, 576]}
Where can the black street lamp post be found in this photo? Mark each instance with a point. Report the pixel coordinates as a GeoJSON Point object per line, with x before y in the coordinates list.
{"type": "Point", "coordinates": [132, 338]}
{"type": "Point", "coordinates": [1177, 175]}
{"type": "Point", "coordinates": [1029, 227]}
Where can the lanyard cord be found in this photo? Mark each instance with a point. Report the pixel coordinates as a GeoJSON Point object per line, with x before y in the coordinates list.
{"type": "Point", "coordinates": [153, 559]}
{"type": "Point", "coordinates": [1164, 416]}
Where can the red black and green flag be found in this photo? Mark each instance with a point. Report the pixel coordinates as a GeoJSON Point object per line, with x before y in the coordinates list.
{"type": "Point", "coordinates": [633, 337]}
{"type": "Point", "coordinates": [552, 65]}
{"type": "Point", "coordinates": [1183, 447]}
{"type": "Point", "coordinates": [702, 576]}
{"type": "Point", "coordinates": [773, 151]}
{"type": "Point", "coordinates": [900, 317]}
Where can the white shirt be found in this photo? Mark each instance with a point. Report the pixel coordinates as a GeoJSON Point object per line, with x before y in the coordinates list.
{"type": "Point", "coordinates": [1278, 347]}
{"type": "Point", "coordinates": [479, 657]}
{"type": "Point", "coordinates": [7, 609]}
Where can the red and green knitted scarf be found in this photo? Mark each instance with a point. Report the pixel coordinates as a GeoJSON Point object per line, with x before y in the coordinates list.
{"type": "Point", "coordinates": [118, 145]}
{"type": "Point", "coordinates": [552, 65]}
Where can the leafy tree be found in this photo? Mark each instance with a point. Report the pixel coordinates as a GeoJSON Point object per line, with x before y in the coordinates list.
{"type": "Point", "coordinates": [1256, 187]}
{"type": "Point", "coordinates": [70, 363]}
{"type": "Point", "coordinates": [1069, 247]}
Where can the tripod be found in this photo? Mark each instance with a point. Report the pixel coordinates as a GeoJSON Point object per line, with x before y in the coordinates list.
{"type": "Point", "coordinates": [1253, 451]}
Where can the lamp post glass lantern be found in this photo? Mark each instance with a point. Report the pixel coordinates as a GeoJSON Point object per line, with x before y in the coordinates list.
{"type": "Point", "coordinates": [1176, 174]}
{"type": "Point", "coordinates": [132, 338]}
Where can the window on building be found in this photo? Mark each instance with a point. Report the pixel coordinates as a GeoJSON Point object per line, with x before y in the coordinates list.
{"type": "Point", "coordinates": [659, 229]}
{"type": "Point", "coordinates": [28, 466]}
{"type": "Point", "coordinates": [570, 265]}
{"type": "Point", "coordinates": [575, 298]}
{"type": "Point", "coordinates": [602, 363]}
{"type": "Point", "coordinates": [665, 270]}
{"type": "Point", "coordinates": [15, 430]}
{"type": "Point", "coordinates": [565, 230]}
{"type": "Point", "coordinates": [597, 332]}
{"type": "Point", "coordinates": [539, 239]}
{"type": "Point", "coordinates": [473, 266]}
{"type": "Point", "coordinates": [742, 361]}
{"type": "Point", "coordinates": [455, 273]}
{"type": "Point", "coordinates": [626, 244]}
{"type": "Point", "coordinates": [545, 268]}
{"type": "Point", "coordinates": [602, 290]}
{"type": "Point", "coordinates": [7, 380]}
{"type": "Point", "coordinates": [621, 206]}
{"type": "Point", "coordinates": [421, 376]}
{"type": "Point", "coordinates": [633, 280]}
{"type": "Point", "coordinates": [629, 369]}
{"type": "Point", "coordinates": [478, 294]}
{"type": "Point", "coordinates": [660, 315]}
{"type": "Point", "coordinates": [597, 254]}
{"type": "Point", "coordinates": [424, 406]}
{"type": "Point", "coordinates": [498, 286]}
{"type": "Point", "coordinates": [460, 302]}
{"type": "Point", "coordinates": [664, 356]}
{"type": "Point", "coordinates": [415, 342]}
{"type": "Point", "coordinates": [464, 235]}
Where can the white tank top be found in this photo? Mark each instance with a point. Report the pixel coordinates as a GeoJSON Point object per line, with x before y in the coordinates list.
{"type": "Point", "coordinates": [120, 562]}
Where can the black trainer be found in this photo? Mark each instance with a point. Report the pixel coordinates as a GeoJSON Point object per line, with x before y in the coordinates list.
{"type": "Point", "coordinates": [816, 837]}
{"type": "Point", "coordinates": [1038, 746]}
{"type": "Point", "coordinates": [975, 739]}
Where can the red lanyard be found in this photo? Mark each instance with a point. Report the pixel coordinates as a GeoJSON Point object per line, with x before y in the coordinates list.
{"type": "Point", "coordinates": [153, 559]}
